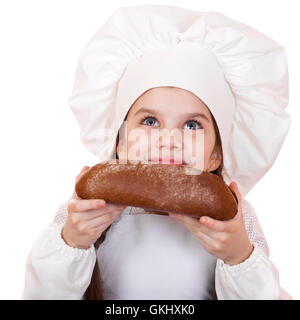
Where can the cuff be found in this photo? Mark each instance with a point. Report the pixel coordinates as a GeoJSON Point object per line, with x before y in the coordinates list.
{"type": "Point", "coordinates": [66, 250]}
{"type": "Point", "coordinates": [244, 266]}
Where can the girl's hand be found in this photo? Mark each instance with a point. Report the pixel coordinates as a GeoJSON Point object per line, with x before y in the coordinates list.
{"type": "Point", "coordinates": [226, 240]}
{"type": "Point", "coordinates": [87, 219]}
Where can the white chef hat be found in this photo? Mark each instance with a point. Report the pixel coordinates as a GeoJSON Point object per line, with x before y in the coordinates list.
{"type": "Point", "coordinates": [239, 73]}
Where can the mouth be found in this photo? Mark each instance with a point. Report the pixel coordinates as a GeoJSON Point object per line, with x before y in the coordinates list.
{"type": "Point", "coordinates": [171, 161]}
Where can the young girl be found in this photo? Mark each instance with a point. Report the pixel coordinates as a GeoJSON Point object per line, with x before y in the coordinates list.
{"type": "Point", "coordinates": [162, 68]}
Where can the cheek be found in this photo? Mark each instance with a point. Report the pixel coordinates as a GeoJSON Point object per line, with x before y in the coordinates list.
{"type": "Point", "coordinates": [138, 143]}
{"type": "Point", "coordinates": [197, 148]}
{"type": "Point", "coordinates": [195, 143]}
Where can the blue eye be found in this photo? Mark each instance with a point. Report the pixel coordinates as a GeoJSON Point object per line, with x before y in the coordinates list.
{"type": "Point", "coordinates": [198, 123]}
{"type": "Point", "coordinates": [190, 121]}
{"type": "Point", "coordinates": [145, 118]}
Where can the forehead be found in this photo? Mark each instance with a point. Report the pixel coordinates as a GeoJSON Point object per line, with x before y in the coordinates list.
{"type": "Point", "coordinates": [170, 100]}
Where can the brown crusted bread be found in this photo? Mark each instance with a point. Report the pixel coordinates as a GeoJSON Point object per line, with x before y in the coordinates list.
{"type": "Point", "coordinates": [161, 188]}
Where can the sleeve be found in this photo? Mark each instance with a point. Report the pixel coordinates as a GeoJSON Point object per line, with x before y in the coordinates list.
{"type": "Point", "coordinates": [255, 278]}
{"type": "Point", "coordinates": [55, 270]}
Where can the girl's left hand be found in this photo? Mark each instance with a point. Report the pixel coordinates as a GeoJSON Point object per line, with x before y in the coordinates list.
{"type": "Point", "coordinates": [227, 240]}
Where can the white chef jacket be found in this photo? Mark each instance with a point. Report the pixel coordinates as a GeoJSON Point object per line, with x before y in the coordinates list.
{"type": "Point", "coordinates": [148, 256]}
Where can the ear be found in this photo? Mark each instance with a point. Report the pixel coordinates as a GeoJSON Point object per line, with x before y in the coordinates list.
{"type": "Point", "coordinates": [214, 161]}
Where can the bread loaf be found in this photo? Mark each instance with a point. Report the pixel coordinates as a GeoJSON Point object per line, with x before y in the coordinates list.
{"type": "Point", "coordinates": [160, 188]}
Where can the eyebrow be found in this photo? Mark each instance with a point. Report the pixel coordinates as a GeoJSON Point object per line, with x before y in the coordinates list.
{"type": "Point", "coordinates": [155, 112]}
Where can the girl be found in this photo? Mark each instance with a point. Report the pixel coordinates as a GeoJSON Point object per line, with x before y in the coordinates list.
{"type": "Point", "coordinates": [97, 250]}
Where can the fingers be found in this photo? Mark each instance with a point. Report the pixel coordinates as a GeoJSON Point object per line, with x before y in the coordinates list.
{"type": "Point", "coordinates": [203, 233]}
{"type": "Point", "coordinates": [234, 187]}
{"type": "Point", "coordinates": [214, 224]}
{"type": "Point", "coordinates": [90, 214]}
{"type": "Point", "coordinates": [92, 210]}
{"type": "Point", "coordinates": [103, 220]}
{"type": "Point", "coordinates": [76, 205]}
{"type": "Point", "coordinates": [188, 221]}
{"type": "Point", "coordinates": [205, 239]}
{"type": "Point", "coordinates": [83, 170]}
{"type": "Point", "coordinates": [75, 196]}
{"type": "Point", "coordinates": [100, 223]}
{"type": "Point", "coordinates": [212, 229]}
{"type": "Point", "coordinates": [101, 228]}
{"type": "Point", "coordinates": [95, 213]}
{"type": "Point", "coordinates": [223, 226]}
{"type": "Point", "coordinates": [219, 225]}
{"type": "Point", "coordinates": [193, 224]}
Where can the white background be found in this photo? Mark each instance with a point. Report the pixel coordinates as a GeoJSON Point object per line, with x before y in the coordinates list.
{"type": "Point", "coordinates": [40, 148]}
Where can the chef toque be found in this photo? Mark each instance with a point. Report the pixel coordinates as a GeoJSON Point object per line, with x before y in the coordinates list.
{"type": "Point", "coordinates": [239, 73]}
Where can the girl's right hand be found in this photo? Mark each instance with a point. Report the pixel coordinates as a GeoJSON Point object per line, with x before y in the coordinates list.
{"type": "Point", "coordinates": [87, 219]}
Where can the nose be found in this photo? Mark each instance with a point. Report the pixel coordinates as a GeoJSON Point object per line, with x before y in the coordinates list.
{"type": "Point", "coordinates": [169, 139]}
